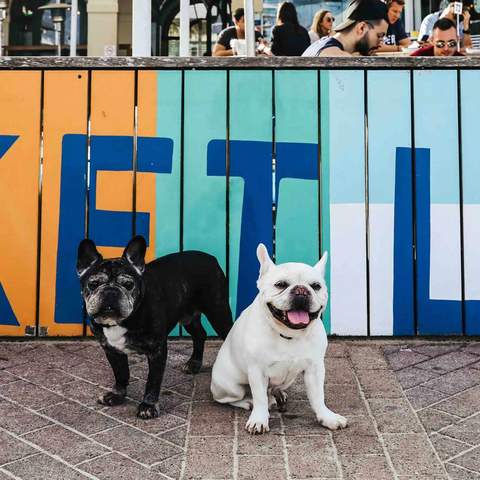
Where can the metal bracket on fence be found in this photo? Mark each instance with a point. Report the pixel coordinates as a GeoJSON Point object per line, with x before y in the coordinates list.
{"type": "Point", "coordinates": [30, 331]}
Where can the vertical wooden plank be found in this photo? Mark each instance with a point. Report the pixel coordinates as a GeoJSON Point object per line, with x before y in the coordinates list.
{"type": "Point", "coordinates": [63, 200]}
{"type": "Point", "coordinates": [437, 203]}
{"type": "Point", "coordinates": [470, 106]}
{"type": "Point", "coordinates": [204, 213]}
{"type": "Point", "coordinates": [390, 204]}
{"type": "Point", "coordinates": [158, 161]}
{"type": "Point", "coordinates": [296, 177]}
{"type": "Point", "coordinates": [250, 180]}
{"type": "Point", "coordinates": [111, 161]}
{"type": "Point", "coordinates": [348, 290]}
{"type": "Point", "coordinates": [20, 94]}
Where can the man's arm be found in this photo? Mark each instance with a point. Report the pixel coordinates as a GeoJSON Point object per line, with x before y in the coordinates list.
{"type": "Point", "coordinates": [220, 51]}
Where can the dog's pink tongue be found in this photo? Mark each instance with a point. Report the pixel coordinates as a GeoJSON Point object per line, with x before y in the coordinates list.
{"type": "Point", "coordinates": [298, 317]}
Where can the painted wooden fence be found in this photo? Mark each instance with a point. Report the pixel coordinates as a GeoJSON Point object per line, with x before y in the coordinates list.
{"type": "Point", "coordinates": [378, 166]}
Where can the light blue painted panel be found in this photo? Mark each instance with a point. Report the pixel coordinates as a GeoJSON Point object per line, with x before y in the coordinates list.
{"type": "Point", "coordinates": [436, 129]}
{"type": "Point", "coordinates": [346, 124]}
{"type": "Point", "coordinates": [204, 216]}
{"type": "Point", "coordinates": [389, 127]}
{"type": "Point", "coordinates": [250, 121]}
{"type": "Point", "coordinates": [296, 121]}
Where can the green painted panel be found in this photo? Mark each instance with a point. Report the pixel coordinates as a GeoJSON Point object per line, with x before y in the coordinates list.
{"type": "Point", "coordinates": [251, 120]}
{"type": "Point", "coordinates": [296, 121]}
{"type": "Point", "coordinates": [204, 215]}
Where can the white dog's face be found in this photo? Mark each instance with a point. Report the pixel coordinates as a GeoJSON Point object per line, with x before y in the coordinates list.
{"type": "Point", "coordinates": [295, 293]}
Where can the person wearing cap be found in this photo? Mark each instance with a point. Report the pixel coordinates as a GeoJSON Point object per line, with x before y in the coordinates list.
{"type": "Point", "coordinates": [361, 32]}
{"type": "Point", "coordinates": [222, 47]}
{"type": "Point", "coordinates": [426, 27]}
{"type": "Point", "coordinates": [444, 41]}
{"type": "Point", "coordinates": [396, 37]}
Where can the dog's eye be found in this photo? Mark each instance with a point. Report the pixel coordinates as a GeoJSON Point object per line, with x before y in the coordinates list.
{"type": "Point", "coordinates": [281, 284]}
{"type": "Point", "coordinates": [128, 284]}
{"type": "Point", "coordinates": [316, 286]}
{"type": "Point", "coordinates": [93, 284]}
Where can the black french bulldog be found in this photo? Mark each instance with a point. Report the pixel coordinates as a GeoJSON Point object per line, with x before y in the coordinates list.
{"type": "Point", "coordinates": [133, 307]}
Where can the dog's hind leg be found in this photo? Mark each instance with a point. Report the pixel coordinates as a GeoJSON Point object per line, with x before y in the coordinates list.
{"type": "Point", "coordinates": [218, 312]}
{"type": "Point", "coordinates": [198, 334]}
{"type": "Point", "coordinates": [281, 398]}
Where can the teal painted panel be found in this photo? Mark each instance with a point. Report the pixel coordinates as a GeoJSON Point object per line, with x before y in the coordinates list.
{"type": "Point", "coordinates": [436, 129]}
{"type": "Point", "coordinates": [168, 125]}
{"type": "Point", "coordinates": [325, 181]}
{"type": "Point", "coordinates": [296, 121]}
{"type": "Point", "coordinates": [346, 124]}
{"type": "Point", "coordinates": [250, 120]}
{"type": "Point", "coordinates": [167, 193]}
{"type": "Point", "coordinates": [204, 216]}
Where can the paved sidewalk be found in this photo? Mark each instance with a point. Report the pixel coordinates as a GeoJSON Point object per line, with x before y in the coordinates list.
{"type": "Point", "coordinates": [413, 409]}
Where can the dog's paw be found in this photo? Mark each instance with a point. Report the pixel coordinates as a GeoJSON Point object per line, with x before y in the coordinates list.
{"type": "Point", "coordinates": [111, 399]}
{"type": "Point", "coordinates": [146, 411]}
{"type": "Point", "coordinates": [281, 397]}
{"type": "Point", "coordinates": [192, 366]}
{"type": "Point", "coordinates": [333, 421]}
{"type": "Point", "coordinates": [257, 423]}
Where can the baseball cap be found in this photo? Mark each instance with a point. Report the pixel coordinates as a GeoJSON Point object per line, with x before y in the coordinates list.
{"type": "Point", "coordinates": [361, 10]}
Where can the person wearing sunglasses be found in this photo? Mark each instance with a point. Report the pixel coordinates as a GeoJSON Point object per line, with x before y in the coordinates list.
{"type": "Point", "coordinates": [361, 32]}
{"type": "Point", "coordinates": [443, 43]}
{"type": "Point", "coordinates": [322, 25]}
{"type": "Point", "coordinates": [396, 37]}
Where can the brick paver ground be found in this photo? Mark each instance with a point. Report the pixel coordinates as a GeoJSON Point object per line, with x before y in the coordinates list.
{"type": "Point", "coordinates": [413, 410]}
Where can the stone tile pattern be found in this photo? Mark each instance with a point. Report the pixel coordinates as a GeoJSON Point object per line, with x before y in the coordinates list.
{"type": "Point", "coordinates": [51, 426]}
{"type": "Point", "coordinates": [442, 383]}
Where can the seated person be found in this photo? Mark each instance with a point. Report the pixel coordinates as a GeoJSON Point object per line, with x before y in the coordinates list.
{"type": "Point", "coordinates": [361, 33]}
{"type": "Point", "coordinates": [396, 37]}
{"type": "Point", "coordinates": [321, 25]}
{"type": "Point", "coordinates": [426, 28]}
{"type": "Point", "coordinates": [222, 47]}
{"type": "Point", "coordinates": [443, 42]}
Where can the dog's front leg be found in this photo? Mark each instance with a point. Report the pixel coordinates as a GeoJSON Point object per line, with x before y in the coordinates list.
{"type": "Point", "coordinates": [258, 420]}
{"type": "Point", "coordinates": [156, 366]}
{"type": "Point", "coordinates": [119, 364]}
{"type": "Point", "coordinates": [314, 382]}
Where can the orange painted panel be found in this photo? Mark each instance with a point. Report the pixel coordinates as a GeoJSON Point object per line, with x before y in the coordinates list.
{"type": "Point", "coordinates": [112, 115]}
{"type": "Point", "coordinates": [146, 182]}
{"type": "Point", "coordinates": [65, 113]}
{"type": "Point", "coordinates": [19, 185]}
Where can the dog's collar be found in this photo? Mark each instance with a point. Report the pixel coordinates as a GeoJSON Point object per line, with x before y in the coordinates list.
{"type": "Point", "coordinates": [284, 336]}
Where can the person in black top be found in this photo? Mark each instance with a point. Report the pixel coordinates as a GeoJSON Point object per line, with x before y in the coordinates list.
{"type": "Point", "coordinates": [289, 38]}
{"type": "Point", "coordinates": [361, 32]}
{"type": "Point", "coordinates": [396, 37]}
{"type": "Point", "coordinates": [222, 47]}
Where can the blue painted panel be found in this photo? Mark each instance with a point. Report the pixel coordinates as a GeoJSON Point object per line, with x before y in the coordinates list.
{"type": "Point", "coordinates": [296, 122]}
{"type": "Point", "coordinates": [389, 174]}
{"type": "Point", "coordinates": [250, 120]}
{"type": "Point", "coordinates": [470, 106]}
{"type": "Point", "coordinates": [73, 192]}
{"type": "Point", "coordinates": [436, 129]}
{"type": "Point", "coordinates": [6, 141]}
{"type": "Point", "coordinates": [204, 219]}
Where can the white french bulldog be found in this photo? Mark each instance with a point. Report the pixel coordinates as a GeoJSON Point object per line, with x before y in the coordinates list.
{"type": "Point", "coordinates": [277, 337]}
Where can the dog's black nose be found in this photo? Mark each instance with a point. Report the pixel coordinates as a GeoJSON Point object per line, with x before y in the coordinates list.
{"type": "Point", "coordinates": [300, 290]}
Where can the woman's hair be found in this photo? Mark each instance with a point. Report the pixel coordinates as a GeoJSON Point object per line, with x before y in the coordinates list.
{"type": "Point", "coordinates": [287, 13]}
{"type": "Point", "coordinates": [317, 23]}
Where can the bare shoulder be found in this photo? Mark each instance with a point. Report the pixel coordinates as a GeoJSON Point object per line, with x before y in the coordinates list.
{"type": "Point", "coordinates": [334, 52]}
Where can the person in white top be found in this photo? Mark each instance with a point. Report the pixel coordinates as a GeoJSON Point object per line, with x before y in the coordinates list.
{"type": "Point", "coordinates": [321, 25]}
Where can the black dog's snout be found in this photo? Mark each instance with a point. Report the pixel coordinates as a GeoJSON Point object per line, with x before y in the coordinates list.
{"type": "Point", "coordinates": [301, 290]}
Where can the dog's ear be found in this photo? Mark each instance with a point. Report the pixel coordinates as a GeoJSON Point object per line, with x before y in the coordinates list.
{"type": "Point", "coordinates": [263, 258]}
{"type": "Point", "coordinates": [87, 256]}
{"type": "Point", "coordinates": [322, 263]}
{"type": "Point", "coordinates": [134, 253]}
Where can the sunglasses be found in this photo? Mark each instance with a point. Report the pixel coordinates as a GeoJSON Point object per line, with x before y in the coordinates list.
{"type": "Point", "coordinates": [330, 19]}
{"type": "Point", "coordinates": [442, 43]}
